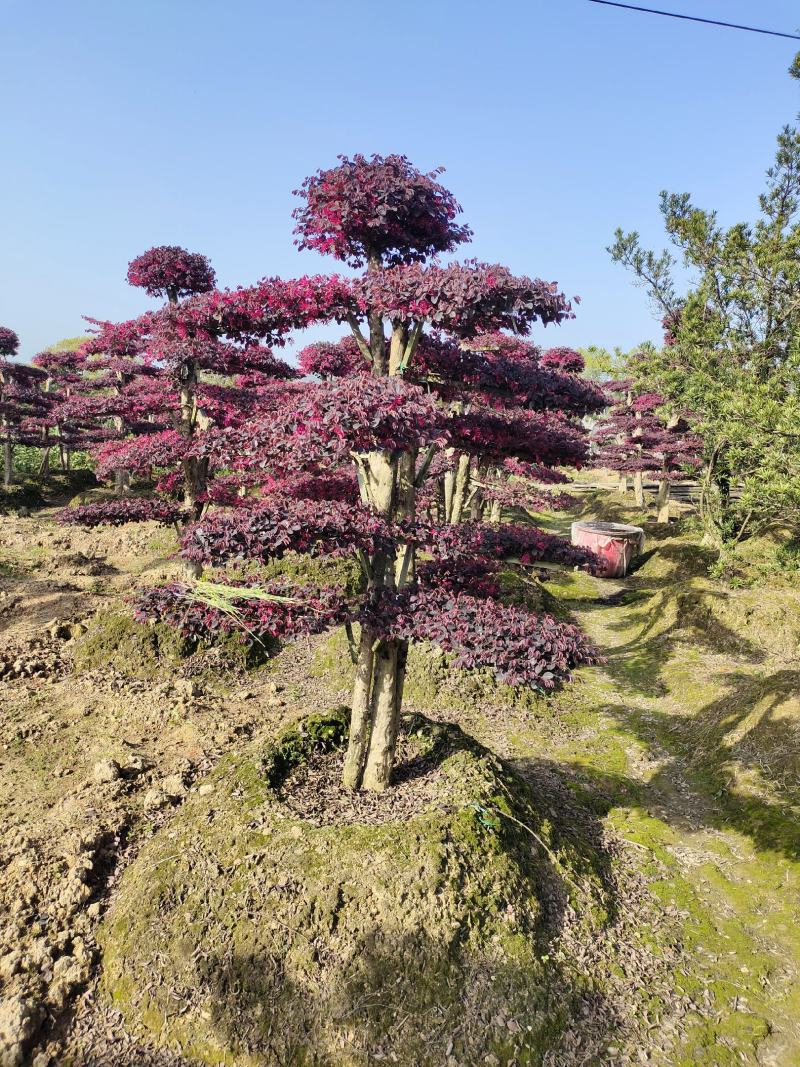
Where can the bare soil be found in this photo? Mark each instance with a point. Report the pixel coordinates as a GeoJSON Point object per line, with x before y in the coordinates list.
{"type": "Point", "coordinates": [314, 789]}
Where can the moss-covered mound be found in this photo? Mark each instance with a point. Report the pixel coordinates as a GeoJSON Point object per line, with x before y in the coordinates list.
{"type": "Point", "coordinates": [245, 934]}
{"type": "Point", "coordinates": [115, 639]}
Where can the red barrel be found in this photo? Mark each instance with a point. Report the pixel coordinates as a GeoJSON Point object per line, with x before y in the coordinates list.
{"type": "Point", "coordinates": [614, 544]}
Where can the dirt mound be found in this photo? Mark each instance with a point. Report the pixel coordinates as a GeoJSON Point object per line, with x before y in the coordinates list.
{"type": "Point", "coordinates": [249, 934]}
{"type": "Point", "coordinates": [115, 640]}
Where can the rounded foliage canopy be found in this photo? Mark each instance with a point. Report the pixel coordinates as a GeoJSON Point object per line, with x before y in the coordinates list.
{"type": "Point", "coordinates": [380, 207]}
{"type": "Point", "coordinates": [9, 342]}
{"type": "Point", "coordinates": [168, 270]}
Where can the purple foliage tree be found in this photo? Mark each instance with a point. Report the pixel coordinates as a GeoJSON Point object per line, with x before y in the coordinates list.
{"type": "Point", "coordinates": [637, 438]}
{"type": "Point", "coordinates": [414, 384]}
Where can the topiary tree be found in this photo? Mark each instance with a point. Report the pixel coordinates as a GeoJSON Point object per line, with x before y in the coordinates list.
{"type": "Point", "coordinates": [399, 402]}
{"type": "Point", "coordinates": [63, 365]}
{"type": "Point", "coordinates": [112, 391]}
{"type": "Point", "coordinates": [9, 344]}
{"type": "Point", "coordinates": [23, 404]}
{"type": "Point", "coordinates": [638, 438]}
{"type": "Point", "coordinates": [150, 390]}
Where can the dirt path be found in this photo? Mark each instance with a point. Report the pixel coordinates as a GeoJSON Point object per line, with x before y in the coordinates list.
{"type": "Point", "coordinates": [690, 736]}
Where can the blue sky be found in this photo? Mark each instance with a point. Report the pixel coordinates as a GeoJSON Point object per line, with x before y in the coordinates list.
{"type": "Point", "coordinates": [190, 122]}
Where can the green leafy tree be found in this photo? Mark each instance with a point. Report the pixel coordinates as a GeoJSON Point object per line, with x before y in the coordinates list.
{"type": "Point", "coordinates": [603, 364]}
{"type": "Point", "coordinates": [732, 349]}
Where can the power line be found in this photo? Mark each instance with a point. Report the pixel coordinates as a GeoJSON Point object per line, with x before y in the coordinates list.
{"type": "Point", "coordinates": [696, 18]}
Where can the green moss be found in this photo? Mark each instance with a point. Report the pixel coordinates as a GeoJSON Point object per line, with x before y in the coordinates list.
{"type": "Point", "coordinates": [343, 573]}
{"type": "Point", "coordinates": [93, 495]}
{"type": "Point", "coordinates": [116, 640]}
{"type": "Point", "coordinates": [315, 732]}
{"type": "Point", "coordinates": [293, 955]}
{"type": "Point", "coordinates": [687, 739]}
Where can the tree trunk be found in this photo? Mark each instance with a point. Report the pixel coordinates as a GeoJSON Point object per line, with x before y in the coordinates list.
{"type": "Point", "coordinates": [385, 718]}
{"type": "Point", "coordinates": [448, 484]}
{"type": "Point", "coordinates": [460, 488]}
{"type": "Point", "coordinates": [663, 500]}
{"type": "Point", "coordinates": [8, 464]}
{"type": "Point", "coordinates": [495, 511]}
{"type": "Point", "coordinates": [44, 466]}
{"type": "Point", "coordinates": [387, 483]}
{"type": "Point", "coordinates": [121, 480]}
{"type": "Point", "coordinates": [375, 709]}
{"type": "Point", "coordinates": [195, 471]}
{"type": "Point", "coordinates": [405, 508]}
{"type": "Point", "coordinates": [360, 717]}
{"type": "Point", "coordinates": [638, 488]}
{"type": "Point", "coordinates": [623, 484]}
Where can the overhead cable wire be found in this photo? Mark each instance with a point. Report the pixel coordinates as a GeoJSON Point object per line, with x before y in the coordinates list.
{"type": "Point", "coordinates": [696, 18]}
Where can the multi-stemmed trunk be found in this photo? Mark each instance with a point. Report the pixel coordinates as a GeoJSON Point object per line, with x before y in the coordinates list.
{"type": "Point", "coordinates": [195, 469]}
{"type": "Point", "coordinates": [388, 487]}
{"type": "Point", "coordinates": [662, 500]}
{"type": "Point", "coordinates": [638, 488]}
{"type": "Point", "coordinates": [380, 666]}
{"type": "Point", "coordinates": [8, 463]}
{"type": "Point", "coordinates": [122, 479]}
{"type": "Point", "coordinates": [44, 466]}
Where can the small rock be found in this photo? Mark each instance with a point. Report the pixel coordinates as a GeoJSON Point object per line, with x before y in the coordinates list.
{"type": "Point", "coordinates": [39, 954]}
{"type": "Point", "coordinates": [188, 687]}
{"type": "Point", "coordinates": [205, 789]}
{"type": "Point", "coordinates": [10, 964]}
{"type": "Point", "coordinates": [154, 798]}
{"type": "Point", "coordinates": [136, 765]}
{"type": "Point", "coordinates": [106, 770]}
{"type": "Point", "coordinates": [173, 786]}
{"type": "Point", "coordinates": [62, 967]}
{"type": "Point", "coordinates": [19, 1022]}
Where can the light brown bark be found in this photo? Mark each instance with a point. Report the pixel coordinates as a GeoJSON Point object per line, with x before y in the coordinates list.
{"type": "Point", "coordinates": [387, 484]}
{"type": "Point", "coordinates": [8, 464]}
{"type": "Point", "coordinates": [360, 715]}
{"type": "Point", "coordinates": [460, 488]}
{"type": "Point", "coordinates": [44, 466]}
{"type": "Point", "coordinates": [663, 500]}
{"type": "Point", "coordinates": [638, 488]}
{"type": "Point", "coordinates": [385, 719]}
{"type": "Point", "coordinates": [373, 736]}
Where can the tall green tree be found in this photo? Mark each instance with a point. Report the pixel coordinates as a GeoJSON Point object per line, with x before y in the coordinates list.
{"type": "Point", "coordinates": [732, 347]}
